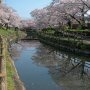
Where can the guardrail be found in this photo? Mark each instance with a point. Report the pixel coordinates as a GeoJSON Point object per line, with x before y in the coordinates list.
{"type": "Point", "coordinates": [3, 84]}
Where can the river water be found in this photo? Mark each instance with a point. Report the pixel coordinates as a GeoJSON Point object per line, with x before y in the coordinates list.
{"type": "Point", "coordinates": [42, 68]}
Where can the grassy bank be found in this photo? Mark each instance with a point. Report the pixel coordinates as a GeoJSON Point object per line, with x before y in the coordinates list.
{"type": "Point", "coordinates": [10, 70]}
{"type": "Point", "coordinates": [11, 34]}
{"type": "Point", "coordinates": [64, 43]}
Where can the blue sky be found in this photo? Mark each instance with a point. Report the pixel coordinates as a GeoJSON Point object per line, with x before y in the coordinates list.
{"type": "Point", "coordinates": [24, 7]}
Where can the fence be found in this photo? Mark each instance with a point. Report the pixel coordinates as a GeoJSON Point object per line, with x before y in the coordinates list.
{"type": "Point", "coordinates": [2, 66]}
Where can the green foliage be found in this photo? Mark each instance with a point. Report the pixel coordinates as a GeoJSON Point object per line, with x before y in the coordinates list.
{"type": "Point", "coordinates": [10, 72]}
{"type": "Point", "coordinates": [9, 68]}
{"type": "Point", "coordinates": [64, 41]}
{"type": "Point", "coordinates": [78, 30]}
{"type": "Point", "coordinates": [9, 34]}
{"type": "Point", "coordinates": [49, 30]}
{"type": "Point", "coordinates": [83, 47]}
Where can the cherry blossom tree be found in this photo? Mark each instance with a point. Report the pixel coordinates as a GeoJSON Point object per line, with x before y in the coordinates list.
{"type": "Point", "coordinates": [40, 17]}
{"type": "Point", "coordinates": [8, 16]}
{"type": "Point", "coordinates": [62, 12]}
{"type": "Point", "coordinates": [75, 10]}
{"type": "Point", "coordinates": [30, 24]}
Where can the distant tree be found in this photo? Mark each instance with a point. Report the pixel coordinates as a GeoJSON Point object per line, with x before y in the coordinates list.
{"type": "Point", "coordinates": [8, 16]}
{"type": "Point", "coordinates": [62, 11]}
{"type": "Point", "coordinates": [77, 10]}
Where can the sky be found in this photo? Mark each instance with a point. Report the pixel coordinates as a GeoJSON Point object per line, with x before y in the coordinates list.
{"type": "Point", "coordinates": [24, 7]}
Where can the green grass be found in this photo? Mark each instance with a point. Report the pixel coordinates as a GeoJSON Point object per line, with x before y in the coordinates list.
{"type": "Point", "coordinates": [9, 67]}
{"type": "Point", "coordinates": [10, 72]}
{"type": "Point", "coordinates": [9, 34]}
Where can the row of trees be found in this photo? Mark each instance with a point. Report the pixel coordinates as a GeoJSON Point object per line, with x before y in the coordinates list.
{"type": "Point", "coordinates": [58, 14]}
{"type": "Point", "coordinates": [63, 12]}
{"type": "Point", "coordinates": [10, 18]}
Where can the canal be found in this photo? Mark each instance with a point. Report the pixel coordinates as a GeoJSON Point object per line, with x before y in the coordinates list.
{"type": "Point", "coordinates": [42, 68]}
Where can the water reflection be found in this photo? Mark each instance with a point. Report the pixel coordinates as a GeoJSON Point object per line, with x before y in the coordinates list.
{"type": "Point", "coordinates": [67, 70]}
{"type": "Point", "coordinates": [43, 65]}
